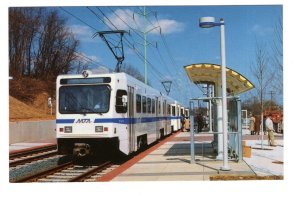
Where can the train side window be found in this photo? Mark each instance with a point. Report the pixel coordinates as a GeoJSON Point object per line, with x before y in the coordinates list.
{"type": "Point", "coordinates": [149, 105]}
{"type": "Point", "coordinates": [169, 109]}
{"type": "Point", "coordinates": [173, 110]}
{"type": "Point", "coordinates": [159, 107]}
{"type": "Point", "coordinates": [153, 106]}
{"type": "Point", "coordinates": [186, 113]}
{"type": "Point", "coordinates": [138, 103]}
{"type": "Point", "coordinates": [121, 107]}
{"type": "Point", "coordinates": [144, 104]}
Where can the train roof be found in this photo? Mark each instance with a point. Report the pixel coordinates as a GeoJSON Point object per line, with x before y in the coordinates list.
{"type": "Point", "coordinates": [118, 74]}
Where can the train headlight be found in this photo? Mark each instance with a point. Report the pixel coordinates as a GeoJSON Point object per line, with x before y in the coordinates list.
{"type": "Point", "coordinates": [86, 73]}
{"type": "Point", "coordinates": [98, 129]}
{"type": "Point", "coordinates": [68, 129]}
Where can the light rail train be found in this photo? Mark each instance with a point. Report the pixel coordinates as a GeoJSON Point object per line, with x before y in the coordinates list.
{"type": "Point", "coordinates": [99, 113]}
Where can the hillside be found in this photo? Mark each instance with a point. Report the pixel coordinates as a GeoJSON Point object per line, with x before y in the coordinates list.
{"type": "Point", "coordinates": [28, 100]}
{"type": "Point", "coordinates": [19, 111]}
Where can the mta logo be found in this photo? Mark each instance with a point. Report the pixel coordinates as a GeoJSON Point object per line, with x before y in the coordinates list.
{"type": "Point", "coordinates": [83, 121]}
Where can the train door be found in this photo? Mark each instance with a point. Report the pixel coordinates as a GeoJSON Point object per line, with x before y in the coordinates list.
{"type": "Point", "coordinates": [165, 121]}
{"type": "Point", "coordinates": [131, 130]}
{"type": "Point", "coordinates": [157, 114]}
{"type": "Point", "coordinates": [173, 119]}
{"type": "Point", "coordinates": [178, 117]}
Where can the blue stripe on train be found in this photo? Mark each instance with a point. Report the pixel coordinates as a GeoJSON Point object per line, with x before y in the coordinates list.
{"type": "Point", "coordinates": [120, 120]}
{"type": "Point", "coordinates": [65, 121]}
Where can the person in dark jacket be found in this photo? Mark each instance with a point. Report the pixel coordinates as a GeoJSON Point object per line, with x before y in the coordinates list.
{"type": "Point", "coordinates": [182, 120]}
{"type": "Point", "coordinates": [200, 122]}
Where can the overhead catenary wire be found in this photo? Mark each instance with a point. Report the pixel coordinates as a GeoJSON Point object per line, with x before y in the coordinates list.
{"type": "Point", "coordinates": [160, 56]}
{"type": "Point", "coordinates": [140, 56]}
{"type": "Point", "coordinates": [93, 12]}
{"type": "Point", "coordinates": [180, 86]}
{"type": "Point", "coordinates": [96, 63]}
{"type": "Point", "coordinates": [125, 23]}
{"type": "Point", "coordinates": [129, 44]}
{"type": "Point", "coordinates": [145, 42]}
{"type": "Point", "coordinates": [177, 73]}
{"type": "Point", "coordinates": [77, 18]}
{"type": "Point", "coordinates": [165, 44]}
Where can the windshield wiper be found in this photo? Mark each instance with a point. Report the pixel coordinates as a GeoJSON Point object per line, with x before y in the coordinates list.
{"type": "Point", "coordinates": [86, 109]}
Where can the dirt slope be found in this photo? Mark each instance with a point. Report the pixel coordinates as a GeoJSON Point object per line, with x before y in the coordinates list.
{"type": "Point", "coordinates": [37, 110]}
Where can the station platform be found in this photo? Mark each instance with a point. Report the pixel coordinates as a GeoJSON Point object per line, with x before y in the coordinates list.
{"type": "Point", "coordinates": [172, 162]}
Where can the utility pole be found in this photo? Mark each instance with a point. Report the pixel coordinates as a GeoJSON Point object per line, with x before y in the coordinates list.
{"type": "Point", "coordinates": [144, 13]}
{"type": "Point", "coordinates": [145, 46]}
{"type": "Point", "coordinates": [271, 93]}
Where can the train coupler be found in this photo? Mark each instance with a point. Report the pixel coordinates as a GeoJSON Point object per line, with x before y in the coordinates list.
{"type": "Point", "coordinates": [81, 149]}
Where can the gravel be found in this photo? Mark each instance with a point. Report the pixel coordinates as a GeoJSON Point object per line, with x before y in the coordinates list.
{"type": "Point", "coordinates": [29, 169]}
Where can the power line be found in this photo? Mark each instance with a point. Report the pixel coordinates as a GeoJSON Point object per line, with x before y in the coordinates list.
{"type": "Point", "coordinates": [101, 21]}
{"type": "Point", "coordinates": [144, 39]}
{"type": "Point", "coordinates": [125, 23]}
{"type": "Point", "coordinates": [97, 64]}
{"type": "Point", "coordinates": [172, 58]}
{"type": "Point", "coordinates": [78, 18]}
{"type": "Point", "coordinates": [157, 49]}
{"type": "Point", "coordinates": [85, 57]}
{"type": "Point", "coordinates": [129, 44]}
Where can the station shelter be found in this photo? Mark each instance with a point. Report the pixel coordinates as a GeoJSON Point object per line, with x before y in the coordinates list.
{"type": "Point", "coordinates": [207, 77]}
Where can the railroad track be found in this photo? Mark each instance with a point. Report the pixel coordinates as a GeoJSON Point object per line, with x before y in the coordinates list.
{"type": "Point", "coordinates": [29, 156]}
{"type": "Point", "coordinates": [60, 168]}
{"type": "Point", "coordinates": [69, 172]}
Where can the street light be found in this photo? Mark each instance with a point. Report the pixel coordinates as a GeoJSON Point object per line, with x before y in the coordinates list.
{"type": "Point", "coordinates": [209, 22]}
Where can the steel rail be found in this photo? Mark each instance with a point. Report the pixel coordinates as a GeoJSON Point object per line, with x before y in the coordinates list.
{"type": "Point", "coordinates": [44, 173]}
{"type": "Point", "coordinates": [31, 151]}
{"type": "Point", "coordinates": [89, 173]}
{"type": "Point", "coordinates": [15, 163]}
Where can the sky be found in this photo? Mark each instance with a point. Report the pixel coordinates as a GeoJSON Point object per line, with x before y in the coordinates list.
{"type": "Point", "coordinates": [174, 39]}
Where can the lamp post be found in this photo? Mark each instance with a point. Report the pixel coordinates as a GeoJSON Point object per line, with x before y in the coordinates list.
{"type": "Point", "coordinates": [209, 22]}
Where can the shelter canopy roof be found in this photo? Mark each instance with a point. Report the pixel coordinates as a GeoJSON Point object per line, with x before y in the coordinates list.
{"type": "Point", "coordinates": [211, 73]}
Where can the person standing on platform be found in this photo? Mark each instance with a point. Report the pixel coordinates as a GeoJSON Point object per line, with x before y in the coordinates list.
{"type": "Point", "coordinates": [264, 125]}
{"type": "Point", "coordinates": [257, 125]}
{"type": "Point", "coordinates": [200, 122]}
{"type": "Point", "coordinates": [252, 124]}
{"type": "Point", "coordinates": [270, 130]}
{"type": "Point", "coordinates": [182, 119]}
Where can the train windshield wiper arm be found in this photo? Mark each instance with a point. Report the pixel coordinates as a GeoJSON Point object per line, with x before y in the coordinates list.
{"type": "Point", "coordinates": [86, 109]}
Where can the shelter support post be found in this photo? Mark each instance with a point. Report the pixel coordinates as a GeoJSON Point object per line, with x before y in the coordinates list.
{"type": "Point", "coordinates": [192, 130]}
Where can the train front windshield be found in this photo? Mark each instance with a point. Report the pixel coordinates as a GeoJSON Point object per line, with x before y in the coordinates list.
{"type": "Point", "coordinates": [81, 99]}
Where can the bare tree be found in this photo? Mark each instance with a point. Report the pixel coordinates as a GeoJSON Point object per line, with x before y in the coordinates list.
{"type": "Point", "coordinates": [23, 28]}
{"type": "Point", "coordinates": [263, 73]}
{"type": "Point", "coordinates": [277, 56]}
{"type": "Point", "coordinates": [57, 48]}
{"type": "Point", "coordinates": [129, 69]}
{"type": "Point", "coordinates": [80, 66]}
{"type": "Point", "coordinates": [40, 44]}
